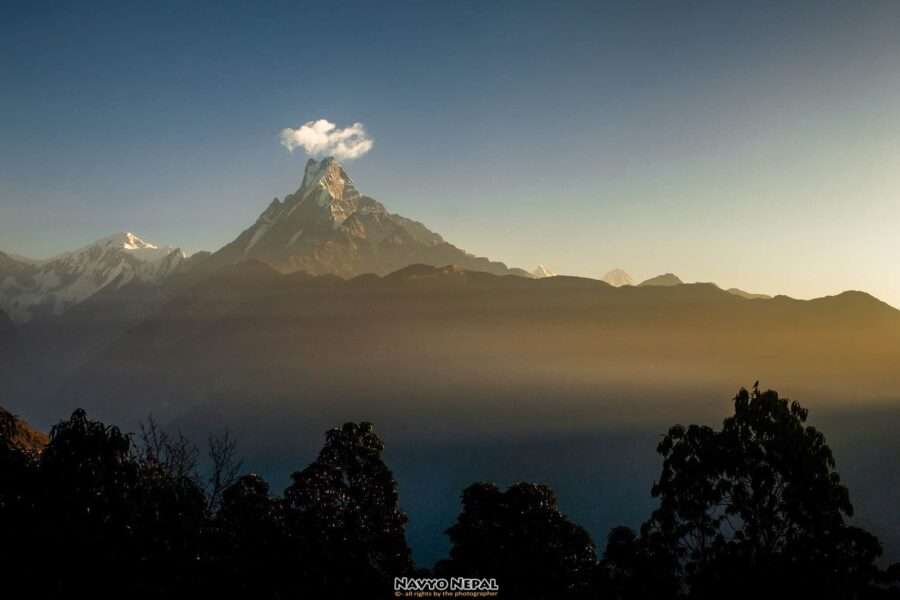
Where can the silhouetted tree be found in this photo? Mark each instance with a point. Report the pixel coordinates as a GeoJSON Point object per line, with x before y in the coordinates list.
{"type": "Point", "coordinates": [171, 506]}
{"type": "Point", "coordinates": [170, 515]}
{"type": "Point", "coordinates": [247, 544]}
{"type": "Point", "coordinates": [754, 508]}
{"type": "Point", "coordinates": [520, 538]}
{"type": "Point", "coordinates": [344, 519]}
{"type": "Point", "coordinates": [758, 508]}
{"type": "Point", "coordinates": [89, 483]}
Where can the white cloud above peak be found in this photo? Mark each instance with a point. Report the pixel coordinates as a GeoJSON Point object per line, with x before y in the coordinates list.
{"type": "Point", "coordinates": [324, 138]}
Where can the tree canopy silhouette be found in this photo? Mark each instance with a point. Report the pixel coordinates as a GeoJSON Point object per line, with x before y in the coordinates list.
{"type": "Point", "coordinates": [89, 481]}
{"type": "Point", "coordinates": [758, 507]}
{"type": "Point", "coordinates": [637, 567]}
{"type": "Point", "coordinates": [344, 518]}
{"type": "Point", "coordinates": [520, 538]}
{"type": "Point", "coordinates": [753, 508]}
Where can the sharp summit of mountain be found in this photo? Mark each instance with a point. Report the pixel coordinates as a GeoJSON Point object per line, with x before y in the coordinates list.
{"type": "Point", "coordinates": [328, 226]}
{"type": "Point", "coordinates": [664, 280]}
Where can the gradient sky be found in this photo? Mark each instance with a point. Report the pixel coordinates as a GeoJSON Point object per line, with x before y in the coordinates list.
{"type": "Point", "coordinates": [752, 144]}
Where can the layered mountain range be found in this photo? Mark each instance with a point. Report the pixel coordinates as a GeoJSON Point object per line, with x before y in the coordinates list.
{"type": "Point", "coordinates": [329, 261]}
{"type": "Point", "coordinates": [440, 340]}
{"type": "Point", "coordinates": [326, 227]}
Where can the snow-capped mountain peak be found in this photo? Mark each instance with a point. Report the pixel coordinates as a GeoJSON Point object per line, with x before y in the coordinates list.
{"type": "Point", "coordinates": [328, 226]}
{"type": "Point", "coordinates": [541, 271]}
{"type": "Point", "coordinates": [328, 181]}
{"type": "Point", "coordinates": [133, 245]}
{"type": "Point", "coordinates": [129, 241]}
{"type": "Point", "coordinates": [54, 285]}
{"type": "Point", "coordinates": [618, 278]}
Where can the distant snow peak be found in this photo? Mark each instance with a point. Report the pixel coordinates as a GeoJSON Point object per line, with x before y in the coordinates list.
{"type": "Point", "coordinates": [112, 262]}
{"type": "Point", "coordinates": [136, 247]}
{"type": "Point", "coordinates": [541, 272]}
{"type": "Point", "coordinates": [618, 278]}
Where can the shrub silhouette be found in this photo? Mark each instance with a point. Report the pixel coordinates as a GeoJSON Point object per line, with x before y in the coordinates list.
{"type": "Point", "coordinates": [520, 538]}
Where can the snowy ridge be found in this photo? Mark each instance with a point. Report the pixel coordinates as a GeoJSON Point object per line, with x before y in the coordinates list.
{"type": "Point", "coordinates": [55, 285]}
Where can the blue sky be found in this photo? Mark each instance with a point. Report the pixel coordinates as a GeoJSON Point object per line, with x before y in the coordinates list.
{"type": "Point", "coordinates": [756, 146]}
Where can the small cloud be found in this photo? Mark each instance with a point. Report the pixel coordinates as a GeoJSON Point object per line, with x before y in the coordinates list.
{"type": "Point", "coordinates": [323, 138]}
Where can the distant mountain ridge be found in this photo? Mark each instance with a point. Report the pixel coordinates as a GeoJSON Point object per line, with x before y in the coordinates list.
{"type": "Point", "coordinates": [259, 333]}
{"type": "Point", "coordinates": [664, 280]}
{"type": "Point", "coordinates": [326, 227]}
{"type": "Point", "coordinates": [747, 295]}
